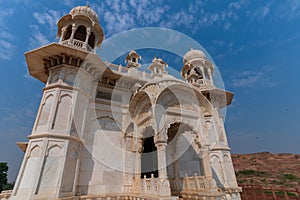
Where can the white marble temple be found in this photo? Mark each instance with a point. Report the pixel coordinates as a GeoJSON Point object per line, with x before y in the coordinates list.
{"type": "Point", "coordinates": [107, 132]}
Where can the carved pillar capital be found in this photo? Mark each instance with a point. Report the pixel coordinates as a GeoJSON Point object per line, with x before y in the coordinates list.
{"type": "Point", "coordinates": [63, 29]}
{"type": "Point", "coordinates": [139, 145]}
{"type": "Point", "coordinates": [160, 138]}
{"type": "Point", "coordinates": [161, 146]}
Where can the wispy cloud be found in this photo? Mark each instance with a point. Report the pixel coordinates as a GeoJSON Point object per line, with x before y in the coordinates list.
{"type": "Point", "coordinates": [229, 48]}
{"type": "Point", "coordinates": [48, 17]}
{"type": "Point", "coordinates": [120, 15]}
{"type": "Point", "coordinates": [248, 79]}
{"type": "Point", "coordinates": [123, 15]}
{"type": "Point", "coordinates": [197, 16]}
{"type": "Point", "coordinates": [6, 46]}
{"type": "Point", "coordinates": [261, 12]}
{"type": "Point", "coordinates": [38, 39]}
{"type": "Point", "coordinates": [6, 50]}
{"type": "Point", "coordinates": [68, 2]}
{"type": "Point", "coordinates": [3, 14]}
{"type": "Point", "coordinates": [6, 35]}
{"type": "Point", "coordinates": [288, 9]}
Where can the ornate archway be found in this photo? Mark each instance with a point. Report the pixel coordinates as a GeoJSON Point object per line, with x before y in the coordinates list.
{"type": "Point", "coordinates": [182, 155]}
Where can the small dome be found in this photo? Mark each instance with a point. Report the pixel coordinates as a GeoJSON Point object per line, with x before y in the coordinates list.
{"type": "Point", "coordinates": [86, 11]}
{"type": "Point", "coordinates": [133, 54]}
{"type": "Point", "coordinates": [158, 60]}
{"type": "Point", "coordinates": [192, 54]}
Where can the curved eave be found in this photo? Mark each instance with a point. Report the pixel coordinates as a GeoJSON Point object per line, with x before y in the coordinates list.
{"type": "Point", "coordinates": [35, 58]}
{"type": "Point", "coordinates": [222, 97]}
{"type": "Point", "coordinates": [62, 22]}
{"type": "Point", "coordinates": [23, 146]}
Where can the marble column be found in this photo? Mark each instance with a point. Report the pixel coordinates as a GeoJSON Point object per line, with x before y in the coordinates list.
{"type": "Point", "coordinates": [161, 159]}
{"type": "Point", "coordinates": [138, 153]}
{"type": "Point", "coordinates": [88, 33]}
{"type": "Point", "coordinates": [63, 32]}
{"type": "Point", "coordinates": [204, 155]}
{"type": "Point", "coordinates": [73, 31]}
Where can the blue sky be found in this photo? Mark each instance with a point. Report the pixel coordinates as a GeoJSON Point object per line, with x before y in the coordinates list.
{"type": "Point", "coordinates": [255, 45]}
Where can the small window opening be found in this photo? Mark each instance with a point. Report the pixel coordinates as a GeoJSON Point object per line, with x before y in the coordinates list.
{"type": "Point", "coordinates": [68, 33]}
{"type": "Point", "coordinates": [80, 33]}
{"type": "Point", "coordinates": [91, 41]}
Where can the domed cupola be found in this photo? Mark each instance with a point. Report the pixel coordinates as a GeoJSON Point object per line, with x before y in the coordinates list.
{"type": "Point", "coordinates": [157, 67]}
{"type": "Point", "coordinates": [197, 70]}
{"type": "Point", "coordinates": [80, 29]}
{"type": "Point", "coordinates": [132, 59]}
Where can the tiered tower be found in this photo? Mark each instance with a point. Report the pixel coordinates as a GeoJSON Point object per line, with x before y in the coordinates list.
{"type": "Point", "coordinates": [50, 168]}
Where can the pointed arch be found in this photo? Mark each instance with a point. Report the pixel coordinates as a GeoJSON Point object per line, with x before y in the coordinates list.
{"type": "Point", "coordinates": [63, 112]}
{"type": "Point", "coordinates": [80, 33]}
{"type": "Point", "coordinates": [69, 79]}
{"type": "Point", "coordinates": [186, 95]}
{"type": "Point", "coordinates": [34, 151]}
{"type": "Point", "coordinates": [45, 111]}
{"type": "Point", "coordinates": [54, 150]}
{"type": "Point", "coordinates": [140, 104]}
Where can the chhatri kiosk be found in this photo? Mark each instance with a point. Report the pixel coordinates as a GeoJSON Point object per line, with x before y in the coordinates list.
{"type": "Point", "coordinates": [106, 131]}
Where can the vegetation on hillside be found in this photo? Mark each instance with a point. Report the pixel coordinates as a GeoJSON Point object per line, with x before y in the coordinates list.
{"type": "Point", "coordinates": [267, 169]}
{"type": "Point", "coordinates": [3, 177]}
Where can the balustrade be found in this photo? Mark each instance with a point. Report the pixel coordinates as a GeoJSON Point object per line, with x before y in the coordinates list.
{"type": "Point", "coordinates": [77, 44]}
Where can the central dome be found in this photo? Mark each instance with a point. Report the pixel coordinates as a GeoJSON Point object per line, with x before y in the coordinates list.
{"type": "Point", "coordinates": [86, 11]}
{"type": "Point", "coordinates": [193, 54]}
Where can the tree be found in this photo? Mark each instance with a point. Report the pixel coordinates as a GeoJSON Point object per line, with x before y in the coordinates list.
{"type": "Point", "coordinates": [3, 177]}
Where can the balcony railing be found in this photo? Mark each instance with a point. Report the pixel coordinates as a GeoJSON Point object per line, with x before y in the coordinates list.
{"type": "Point", "coordinates": [151, 186]}
{"type": "Point", "coordinates": [5, 194]}
{"type": "Point", "coordinates": [124, 70]}
{"type": "Point", "coordinates": [77, 44]}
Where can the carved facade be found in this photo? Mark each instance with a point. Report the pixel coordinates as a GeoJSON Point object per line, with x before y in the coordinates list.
{"type": "Point", "coordinates": [112, 132]}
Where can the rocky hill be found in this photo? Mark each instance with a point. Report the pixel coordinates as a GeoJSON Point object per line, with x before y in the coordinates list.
{"type": "Point", "coordinates": [267, 169]}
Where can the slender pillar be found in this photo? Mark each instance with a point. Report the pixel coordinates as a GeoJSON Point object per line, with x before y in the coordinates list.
{"type": "Point", "coordinates": [88, 33]}
{"type": "Point", "coordinates": [138, 153]}
{"type": "Point", "coordinates": [63, 32]}
{"type": "Point", "coordinates": [204, 153]}
{"type": "Point", "coordinates": [161, 159]}
{"type": "Point", "coordinates": [73, 31]}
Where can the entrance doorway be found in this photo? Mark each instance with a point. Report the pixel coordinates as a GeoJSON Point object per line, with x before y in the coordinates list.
{"type": "Point", "coordinates": [149, 158]}
{"type": "Point", "coordinates": [182, 159]}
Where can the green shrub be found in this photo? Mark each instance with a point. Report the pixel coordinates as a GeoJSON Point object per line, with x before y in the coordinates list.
{"type": "Point", "coordinates": [251, 172]}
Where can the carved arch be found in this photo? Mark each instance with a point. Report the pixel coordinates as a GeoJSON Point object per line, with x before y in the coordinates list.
{"type": "Point", "coordinates": [48, 96]}
{"type": "Point", "coordinates": [184, 127]}
{"type": "Point", "coordinates": [108, 123]}
{"type": "Point", "coordinates": [54, 77]}
{"type": "Point", "coordinates": [64, 96]}
{"type": "Point", "coordinates": [70, 78]}
{"type": "Point", "coordinates": [55, 148]}
{"type": "Point", "coordinates": [202, 102]}
{"type": "Point", "coordinates": [139, 104]}
{"type": "Point", "coordinates": [34, 151]}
